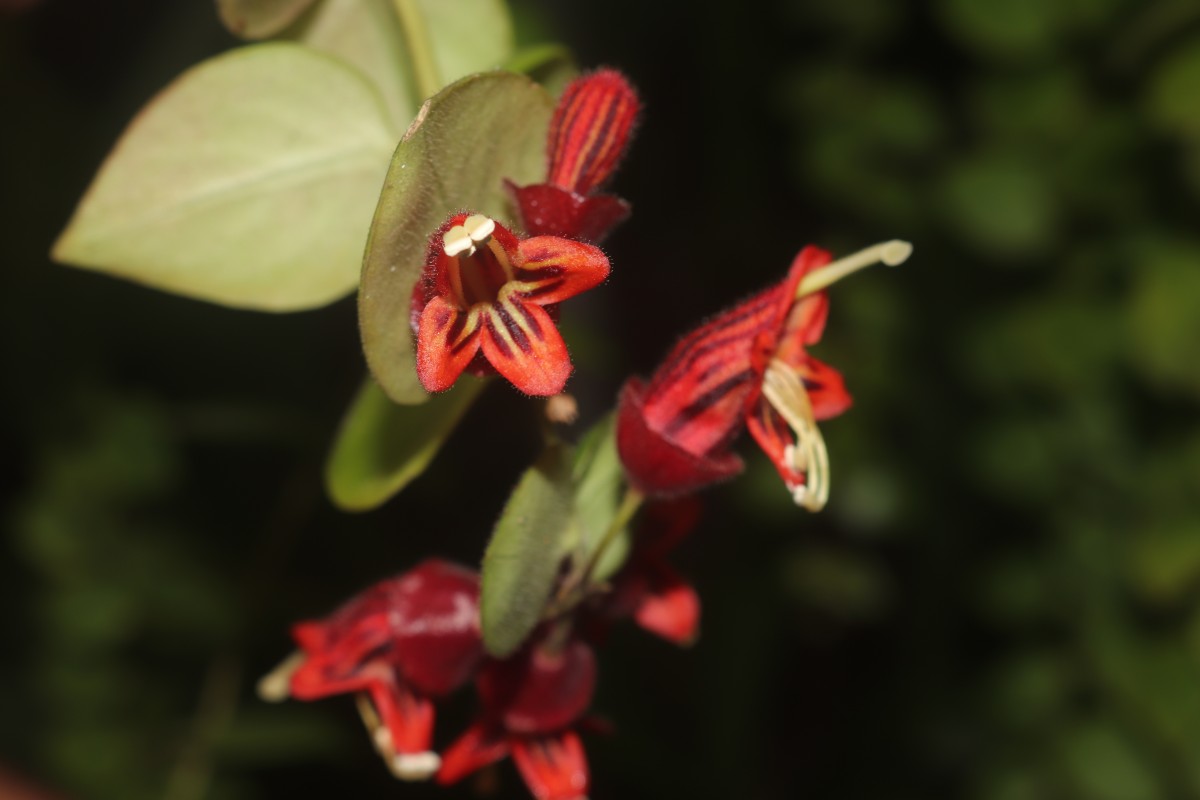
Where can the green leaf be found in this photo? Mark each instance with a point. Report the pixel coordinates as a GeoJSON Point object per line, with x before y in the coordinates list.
{"type": "Point", "coordinates": [381, 447]}
{"type": "Point", "coordinates": [598, 479]}
{"type": "Point", "coordinates": [467, 36]}
{"type": "Point", "coordinates": [366, 35]}
{"type": "Point", "coordinates": [463, 37]}
{"type": "Point", "coordinates": [258, 19]}
{"type": "Point", "coordinates": [248, 181]}
{"type": "Point", "coordinates": [551, 65]}
{"type": "Point", "coordinates": [466, 139]}
{"type": "Point", "coordinates": [522, 559]}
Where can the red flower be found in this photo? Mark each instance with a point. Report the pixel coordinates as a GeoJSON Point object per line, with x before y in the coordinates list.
{"type": "Point", "coordinates": [588, 136]}
{"type": "Point", "coordinates": [402, 641]}
{"type": "Point", "coordinates": [531, 703]}
{"type": "Point", "coordinates": [648, 588]}
{"type": "Point", "coordinates": [747, 366]}
{"type": "Point", "coordinates": [483, 304]}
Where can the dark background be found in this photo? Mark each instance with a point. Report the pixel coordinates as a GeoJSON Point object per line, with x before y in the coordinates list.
{"type": "Point", "coordinates": [1000, 601]}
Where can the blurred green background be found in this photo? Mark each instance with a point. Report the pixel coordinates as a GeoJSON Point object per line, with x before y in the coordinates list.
{"type": "Point", "coordinates": [1002, 600]}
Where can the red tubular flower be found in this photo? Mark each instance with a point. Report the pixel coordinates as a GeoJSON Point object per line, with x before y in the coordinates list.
{"type": "Point", "coordinates": [588, 136]}
{"type": "Point", "coordinates": [401, 642]}
{"type": "Point", "coordinates": [486, 302]}
{"type": "Point", "coordinates": [530, 704]}
{"type": "Point", "coordinates": [748, 366]}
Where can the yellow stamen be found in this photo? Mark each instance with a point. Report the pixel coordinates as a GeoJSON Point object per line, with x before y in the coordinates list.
{"type": "Point", "coordinates": [892, 253]}
{"type": "Point", "coordinates": [785, 391]}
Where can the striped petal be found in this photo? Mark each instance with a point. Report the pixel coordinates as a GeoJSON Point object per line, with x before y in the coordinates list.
{"type": "Point", "coordinates": [520, 340]}
{"type": "Point", "coordinates": [447, 340]}
{"type": "Point", "coordinates": [697, 396]}
{"type": "Point", "coordinates": [554, 767]}
{"type": "Point", "coordinates": [654, 463]}
{"type": "Point", "coordinates": [590, 130]}
{"type": "Point", "coordinates": [549, 269]}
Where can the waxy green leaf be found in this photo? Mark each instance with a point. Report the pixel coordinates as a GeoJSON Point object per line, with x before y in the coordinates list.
{"type": "Point", "coordinates": [522, 560]}
{"type": "Point", "coordinates": [461, 37]}
{"type": "Point", "coordinates": [366, 35]}
{"type": "Point", "coordinates": [381, 447]}
{"type": "Point", "coordinates": [551, 65]}
{"type": "Point", "coordinates": [258, 19]}
{"type": "Point", "coordinates": [464, 142]}
{"type": "Point", "coordinates": [249, 181]}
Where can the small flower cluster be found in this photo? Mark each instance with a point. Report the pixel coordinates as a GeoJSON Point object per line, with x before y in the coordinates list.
{"type": "Point", "coordinates": [487, 304]}
{"type": "Point", "coordinates": [409, 641]}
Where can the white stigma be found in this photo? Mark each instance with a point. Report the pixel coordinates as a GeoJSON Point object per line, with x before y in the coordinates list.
{"type": "Point", "coordinates": [893, 254]}
{"type": "Point", "coordinates": [415, 766]}
{"type": "Point", "coordinates": [785, 391]}
{"type": "Point", "coordinates": [275, 686]}
{"type": "Point", "coordinates": [465, 238]}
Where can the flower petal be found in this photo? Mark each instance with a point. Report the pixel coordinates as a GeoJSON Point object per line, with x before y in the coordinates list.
{"type": "Point", "coordinates": [407, 716]}
{"type": "Point", "coordinates": [656, 465]}
{"type": "Point", "coordinates": [447, 340]}
{"type": "Point", "coordinates": [590, 130]}
{"type": "Point", "coordinates": [554, 767]}
{"type": "Point", "coordinates": [668, 607]}
{"type": "Point", "coordinates": [321, 677]}
{"type": "Point", "coordinates": [825, 386]}
{"type": "Point", "coordinates": [548, 210]}
{"type": "Point", "coordinates": [481, 745]}
{"type": "Point", "coordinates": [549, 269]}
{"type": "Point", "coordinates": [522, 343]}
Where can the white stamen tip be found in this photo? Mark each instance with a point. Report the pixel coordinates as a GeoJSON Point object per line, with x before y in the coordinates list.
{"type": "Point", "coordinates": [415, 766]}
{"type": "Point", "coordinates": [895, 252]}
{"type": "Point", "coordinates": [463, 239]}
{"type": "Point", "coordinates": [383, 739]}
{"type": "Point", "coordinates": [891, 253]}
{"type": "Point", "coordinates": [275, 686]}
{"type": "Point", "coordinates": [479, 227]}
{"type": "Point", "coordinates": [457, 241]}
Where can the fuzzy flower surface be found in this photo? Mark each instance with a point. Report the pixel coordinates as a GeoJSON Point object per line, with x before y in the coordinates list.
{"type": "Point", "coordinates": [589, 134]}
{"type": "Point", "coordinates": [401, 643]}
{"type": "Point", "coordinates": [531, 705]}
{"type": "Point", "coordinates": [747, 367]}
{"type": "Point", "coordinates": [486, 304]}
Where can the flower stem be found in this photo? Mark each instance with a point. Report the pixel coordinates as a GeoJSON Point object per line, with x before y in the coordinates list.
{"type": "Point", "coordinates": [630, 503]}
{"type": "Point", "coordinates": [892, 253]}
{"type": "Point", "coordinates": [416, 36]}
{"type": "Point", "coordinates": [573, 589]}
